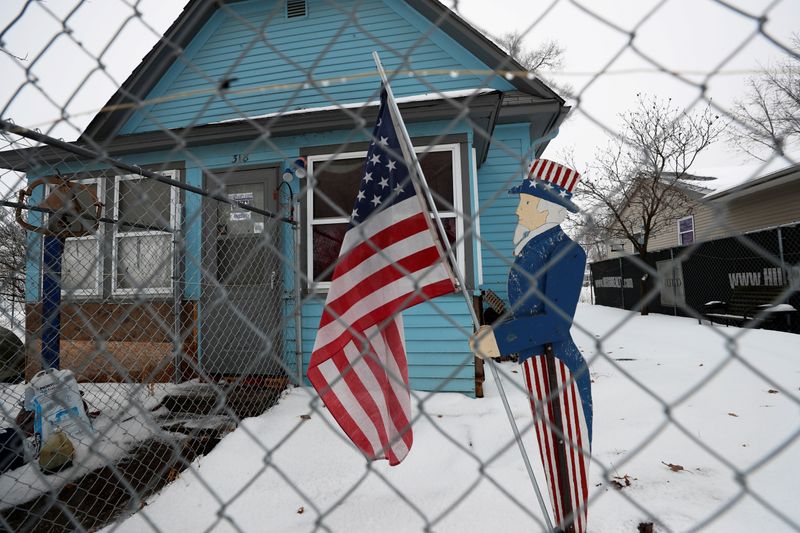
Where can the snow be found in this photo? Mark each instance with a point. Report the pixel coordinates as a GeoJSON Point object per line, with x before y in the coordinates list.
{"type": "Point", "coordinates": [666, 391]}
{"type": "Point", "coordinates": [424, 97]}
{"type": "Point", "coordinates": [780, 308]}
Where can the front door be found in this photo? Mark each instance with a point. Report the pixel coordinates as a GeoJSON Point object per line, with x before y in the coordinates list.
{"type": "Point", "coordinates": [241, 305]}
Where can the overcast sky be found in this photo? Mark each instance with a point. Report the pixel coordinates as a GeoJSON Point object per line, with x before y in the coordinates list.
{"type": "Point", "coordinates": [693, 37]}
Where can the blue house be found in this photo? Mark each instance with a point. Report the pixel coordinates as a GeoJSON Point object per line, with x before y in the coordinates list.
{"type": "Point", "coordinates": [232, 95]}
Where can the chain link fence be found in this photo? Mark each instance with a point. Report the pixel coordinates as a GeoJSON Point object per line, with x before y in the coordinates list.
{"type": "Point", "coordinates": [177, 258]}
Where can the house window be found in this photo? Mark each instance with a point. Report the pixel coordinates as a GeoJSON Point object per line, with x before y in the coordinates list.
{"type": "Point", "coordinates": [143, 243]}
{"type": "Point", "coordinates": [686, 230]}
{"type": "Point", "coordinates": [336, 182]}
{"type": "Point", "coordinates": [81, 261]}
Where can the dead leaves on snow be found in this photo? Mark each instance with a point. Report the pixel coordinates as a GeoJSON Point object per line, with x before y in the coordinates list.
{"type": "Point", "coordinates": [620, 482]}
{"type": "Point", "coordinates": [673, 467]}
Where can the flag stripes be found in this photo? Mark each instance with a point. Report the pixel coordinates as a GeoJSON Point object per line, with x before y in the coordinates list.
{"type": "Point", "coordinates": [575, 437]}
{"type": "Point", "coordinates": [388, 262]}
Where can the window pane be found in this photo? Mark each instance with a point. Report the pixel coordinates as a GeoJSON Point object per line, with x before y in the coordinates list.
{"type": "Point", "coordinates": [79, 265]}
{"type": "Point", "coordinates": [326, 242]}
{"type": "Point", "coordinates": [687, 238]}
{"type": "Point", "coordinates": [145, 202]}
{"type": "Point", "coordinates": [687, 224]}
{"type": "Point", "coordinates": [336, 186]}
{"type": "Point", "coordinates": [338, 180]}
{"type": "Point", "coordinates": [438, 170]}
{"type": "Point", "coordinates": [62, 201]}
{"type": "Point", "coordinates": [144, 262]}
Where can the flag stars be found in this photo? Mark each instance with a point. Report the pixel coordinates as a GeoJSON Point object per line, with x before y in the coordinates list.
{"type": "Point", "coordinates": [375, 159]}
{"type": "Point", "coordinates": [360, 196]}
{"type": "Point", "coordinates": [398, 189]}
{"type": "Point", "coordinates": [354, 214]}
{"type": "Point", "coordinates": [367, 177]}
{"type": "Point", "coordinates": [391, 165]}
{"type": "Point", "coordinates": [383, 183]}
{"type": "Point", "coordinates": [384, 141]}
{"type": "Point", "coordinates": [376, 200]}
{"type": "Point", "coordinates": [563, 193]}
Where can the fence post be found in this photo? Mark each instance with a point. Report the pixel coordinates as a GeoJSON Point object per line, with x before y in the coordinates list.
{"type": "Point", "coordinates": [298, 317]}
{"type": "Point", "coordinates": [51, 302]}
{"type": "Point", "coordinates": [621, 282]}
{"type": "Point", "coordinates": [674, 284]}
{"type": "Point", "coordinates": [780, 252]}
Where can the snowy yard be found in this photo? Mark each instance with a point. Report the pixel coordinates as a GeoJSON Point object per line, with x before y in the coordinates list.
{"type": "Point", "coordinates": [667, 394]}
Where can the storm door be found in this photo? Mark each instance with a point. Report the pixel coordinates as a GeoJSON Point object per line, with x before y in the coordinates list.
{"type": "Point", "coordinates": [241, 305]}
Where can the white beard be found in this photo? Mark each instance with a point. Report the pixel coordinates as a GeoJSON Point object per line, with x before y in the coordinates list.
{"type": "Point", "coordinates": [520, 233]}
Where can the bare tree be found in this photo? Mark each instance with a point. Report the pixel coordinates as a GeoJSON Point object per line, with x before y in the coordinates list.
{"type": "Point", "coordinates": [548, 55]}
{"type": "Point", "coordinates": [768, 118]}
{"type": "Point", "coordinates": [12, 259]}
{"type": "Point", "coordinates": [637, 188]}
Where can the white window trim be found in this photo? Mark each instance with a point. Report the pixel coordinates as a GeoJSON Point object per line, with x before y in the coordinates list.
{"type": "Point", "coordinates": [173, 202]}
{"type": "Point", "coordinates": [454, 149]}
{"type": "Point", "coordinates": [476, 223]}
{"type": "Point", "coordinates": [97, 291]}
{"type": "Point", "coordinates": [694, 234]}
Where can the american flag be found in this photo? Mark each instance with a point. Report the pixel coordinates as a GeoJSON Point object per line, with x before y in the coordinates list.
{"type": "Point", "coordinates": [390, 260]}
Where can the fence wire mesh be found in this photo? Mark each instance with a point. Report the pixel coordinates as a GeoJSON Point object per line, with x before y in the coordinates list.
{"type": "Point", "coordinates": [201, 215]}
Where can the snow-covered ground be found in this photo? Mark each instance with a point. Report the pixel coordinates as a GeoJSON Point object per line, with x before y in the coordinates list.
{"type": "Point", "coordinates": [666, 392]}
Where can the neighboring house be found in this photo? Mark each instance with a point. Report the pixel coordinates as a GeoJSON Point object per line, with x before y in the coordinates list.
{"type": "Point", "coordinates": [244, 69]}
{"type": "Point", "coordinates": [728, 202]}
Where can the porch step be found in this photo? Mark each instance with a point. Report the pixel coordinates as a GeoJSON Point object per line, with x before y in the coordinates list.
{"type": "Point", "coordinates": [244, 401]}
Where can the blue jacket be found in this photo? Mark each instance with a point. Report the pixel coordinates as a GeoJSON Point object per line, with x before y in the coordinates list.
{"type": "Point", "coordinates": [550, 264]}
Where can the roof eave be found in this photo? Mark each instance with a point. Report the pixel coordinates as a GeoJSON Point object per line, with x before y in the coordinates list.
{"type": "Point", "coordinates": [483, 115]}
{"type": "Point", "coordinates": [773, 179]}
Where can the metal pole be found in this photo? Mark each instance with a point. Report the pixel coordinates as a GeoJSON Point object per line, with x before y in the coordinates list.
{"type": "Point", "coordinates": [621, 282]}
{"type": "Point", "coordinates": [298, 312]}
{"type": "Point", "coordinates": [136, 169]}
{"type": "Point", "coordinates": [51, 302]}
{"type": "Point", "coordinates": [780, 253]}
{"type": "Point", "coordinates": [409, 155]}
{"type": "Point", "coordinates": [177, 293]}
{"type": "Point", "coordinates": [674, 283]}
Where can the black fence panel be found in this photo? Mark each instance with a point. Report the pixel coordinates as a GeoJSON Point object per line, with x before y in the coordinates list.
{"type": "Point", "coordinates": [689, 277]}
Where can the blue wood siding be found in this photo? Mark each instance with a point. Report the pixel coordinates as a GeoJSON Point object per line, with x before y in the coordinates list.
{"type": "Point", "coordinates": [333, 44]}
{"type": "Point", "coordinates": [436, 343]}
{"type": "Point", "coordinates": [33, 268]}
{"type": "Point", "coordinates": [499, 173]}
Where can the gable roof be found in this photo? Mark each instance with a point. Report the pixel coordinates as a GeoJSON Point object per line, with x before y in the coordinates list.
{"type": "Point", "coordinates": [196, 13]}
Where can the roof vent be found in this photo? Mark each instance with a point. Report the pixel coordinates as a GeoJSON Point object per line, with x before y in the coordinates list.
{"type": "Point", "coordinates": [296, 9]}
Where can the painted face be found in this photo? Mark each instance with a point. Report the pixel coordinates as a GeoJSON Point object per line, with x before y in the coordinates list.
{"type": "Point", "coordinates": [528, 212]}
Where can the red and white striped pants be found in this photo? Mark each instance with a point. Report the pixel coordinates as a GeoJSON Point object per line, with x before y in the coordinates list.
{"type": "Point", "coordinates": [562, 437]}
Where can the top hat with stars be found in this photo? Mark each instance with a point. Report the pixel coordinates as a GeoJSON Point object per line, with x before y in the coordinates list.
{"type": "Point", "coordinates": [550, 181]}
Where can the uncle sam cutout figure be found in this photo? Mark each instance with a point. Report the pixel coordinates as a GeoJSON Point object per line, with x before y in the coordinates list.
{"type": "Point", "coordinates": [544, 285]}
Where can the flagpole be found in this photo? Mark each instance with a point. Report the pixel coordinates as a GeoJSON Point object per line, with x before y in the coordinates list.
{"type": "Point", "coordinates": [408, 153]}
